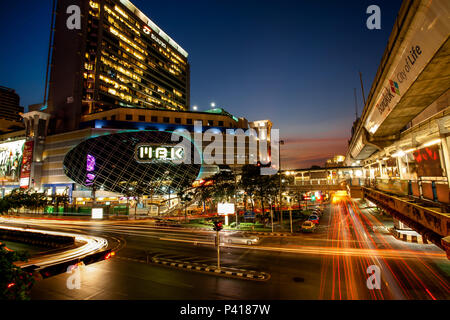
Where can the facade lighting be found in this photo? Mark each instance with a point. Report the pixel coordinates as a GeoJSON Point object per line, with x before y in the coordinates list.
{"type": "Point", "coordinates": [432, 142]}
{"type": "Point", "coordinates": [399, 153]}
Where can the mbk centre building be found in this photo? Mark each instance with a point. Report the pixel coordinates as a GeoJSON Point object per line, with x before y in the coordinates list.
{"type": "Point", "coordinates": [117, 124]}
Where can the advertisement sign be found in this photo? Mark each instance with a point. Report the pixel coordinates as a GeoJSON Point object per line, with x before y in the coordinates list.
{"type": "Point", "coordinates": [428, 162]}
{"type": "Point", "coordinates": [11, 160]}
{"type": "Point", "coordinates": [97, 213]}
{"type": "Point", "coordinates": [25, 171]}
{"type": "Point", "coordinates": [224, 208]}
{"type": "Point", "coordinates": [429, 31]}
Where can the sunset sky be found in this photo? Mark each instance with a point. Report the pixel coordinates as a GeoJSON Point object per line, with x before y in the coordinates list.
{"type": "Point", "coordinates": [293, 62]}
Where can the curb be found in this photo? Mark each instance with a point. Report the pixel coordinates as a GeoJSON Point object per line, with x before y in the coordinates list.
{"type": "Point", "coordinates": [238, 273]}
{"type": "Point", "coordinates": [269, 234]}
{"type": "Point", "coordinates": [224, 271]}
{"type": "Point", "coordinates": [407, 237]}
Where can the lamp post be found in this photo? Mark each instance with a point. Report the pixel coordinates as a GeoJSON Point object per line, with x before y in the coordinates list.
{"type": "Point", "coordinates": [281, 142]}
{"type": "Point", "coordinates": [271, 213]}
{"type": "Point", "coordinates": [290, 213]}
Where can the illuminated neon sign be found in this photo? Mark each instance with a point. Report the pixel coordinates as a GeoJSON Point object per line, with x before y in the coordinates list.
{"type": "Point", "coordinates": [90, 167]}
{"type": "Point", "coordinates": [150, 153]}
{"type": "Point", "coordinates": [147, 30]}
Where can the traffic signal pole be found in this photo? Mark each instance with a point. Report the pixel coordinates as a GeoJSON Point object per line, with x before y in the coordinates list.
{"type": "Point", "coordinates": [217, 227]}
{"type": "Point", "coordinates": [218, 249]}
{"type": "Point", "coordinates": [290, 215]}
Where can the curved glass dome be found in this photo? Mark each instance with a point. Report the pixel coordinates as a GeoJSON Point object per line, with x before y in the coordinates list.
{"type": "Point", "coordinates": [131, 163]}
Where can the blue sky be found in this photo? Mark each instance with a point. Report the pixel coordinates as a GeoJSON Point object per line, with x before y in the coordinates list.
{"type": "Point", "coordinates": [293, 62]}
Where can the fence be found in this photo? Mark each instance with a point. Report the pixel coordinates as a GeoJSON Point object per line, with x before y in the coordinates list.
{"type": "Point", "coordinates": [432, 190]}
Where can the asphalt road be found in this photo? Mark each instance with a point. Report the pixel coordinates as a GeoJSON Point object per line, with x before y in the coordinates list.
{"type": "Point", "coordinates": [329, 264]}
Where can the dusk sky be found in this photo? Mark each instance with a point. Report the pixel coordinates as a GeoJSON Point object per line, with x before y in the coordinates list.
{"type": "Point", "coordinates": [293, 62]}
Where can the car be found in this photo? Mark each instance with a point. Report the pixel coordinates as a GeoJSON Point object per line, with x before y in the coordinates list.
{"type": "Point", "coordinates": [314, 218]}
{"type": "Point", "coordinates": [237, 238]}
{"type": "Point", "coordinates": [318, 212]}
{"type": "Point", "coordinates": [308, 226]}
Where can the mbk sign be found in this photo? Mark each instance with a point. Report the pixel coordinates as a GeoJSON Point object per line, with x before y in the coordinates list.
{"type": "Point", "coordinates": [236, 147]}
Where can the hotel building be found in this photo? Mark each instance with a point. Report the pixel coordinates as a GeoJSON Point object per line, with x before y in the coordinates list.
{"type": "Point", "coordinates": [119, 58]}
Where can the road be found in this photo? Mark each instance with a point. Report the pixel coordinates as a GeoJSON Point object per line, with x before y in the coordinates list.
{"type": "Point", "coordinates": [329, 264]}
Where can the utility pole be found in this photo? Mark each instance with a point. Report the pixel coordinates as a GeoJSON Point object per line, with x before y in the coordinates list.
{"type": "Point", "coordinates": [217, 227]}
{"type": "Point", "coordinates": [235, 200]}
{"type": "Point", "coordinates": [290, 213]}
{"type": "Point", "coordinates": [218, 249]}
{"type": "Point", "coordinates": [271, 214]}
{"type": "Point", "coordinates": [281, 142]}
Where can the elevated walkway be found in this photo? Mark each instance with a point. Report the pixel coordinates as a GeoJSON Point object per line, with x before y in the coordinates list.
{"type": "Point", "coordinates": [429, 221]}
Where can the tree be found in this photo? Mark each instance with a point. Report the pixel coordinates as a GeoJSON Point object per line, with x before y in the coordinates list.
{"type": "Point", "coordinates": [16, 199]}
{"type": "Point", "coordinates": [15, 284]}
{"type": "Point", "coordinates": [255, 185]}
{"type": "Point", "coordinates": [224, 187]}
{"type": "Point", "coordinates": [4, 206]}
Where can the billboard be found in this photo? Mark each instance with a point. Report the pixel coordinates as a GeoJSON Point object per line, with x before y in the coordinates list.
{"type": "Point", "coordinates": [10, 160]}
{"type": "Point", "coordinates": [225, 208]}
{"type": "Point", "coordinates": [27, 159]}
{"type": "Point", "coordinates": [428, 162]}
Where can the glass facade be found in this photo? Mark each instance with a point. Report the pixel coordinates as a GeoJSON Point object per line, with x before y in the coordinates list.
{"type": "Point", "coordinates": [128, 64]}
{"type": "Point", "coordinates": [110, 163]}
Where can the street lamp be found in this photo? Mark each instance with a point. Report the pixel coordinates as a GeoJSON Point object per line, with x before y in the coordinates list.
{"type": "Point", "coordinates": [213, 104]}
{"type": "Point", "coordinates": [194, 108]}
{"type": "Point", "coordinates": [281, 142]}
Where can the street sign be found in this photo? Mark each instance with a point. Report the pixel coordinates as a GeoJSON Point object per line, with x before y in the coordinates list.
{"type": "Point", "coordinates": [97, 213]}
{"type": "Point", "coordinates": [225, 208]}
{"type": "Point", "coordinates": [249, 215]}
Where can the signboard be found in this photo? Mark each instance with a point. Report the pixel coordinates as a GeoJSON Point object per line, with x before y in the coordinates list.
{"type": "Point", "coordinates": [428, 32]}
{"type": "Point", "coordinates": [249, 215]}
{"type": "Point", "coordinates": [27, 159]}
{"type": "Point", "coordinates": [224, 208]}
{"type": "Point", "coordinates": [151, 153]}
{"type": "Point", "coordinates": [11, 160]}
{"type": "Point", "coordinates": [428, 162]}
{"type": "Point", "coordinates": [97, 213]}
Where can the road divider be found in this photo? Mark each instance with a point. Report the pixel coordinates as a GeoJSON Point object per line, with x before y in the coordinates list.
{"type": "Point", "coordinates": [37, 238]}
{"type": "Point", "coordinates": [203, 268]}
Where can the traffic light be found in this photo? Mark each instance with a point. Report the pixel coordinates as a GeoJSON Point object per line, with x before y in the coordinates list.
{"type": "Point", "coordinates": [267, 165]}
{"type": "Point", "coordinates": [218, 226]}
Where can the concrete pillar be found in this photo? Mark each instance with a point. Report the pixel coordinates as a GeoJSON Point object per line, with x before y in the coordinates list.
{"type": "Point", "coordinates": [400, 225]}
{"type": "Point", "coordinates": [37, 134]}
{"type": "Point", "coordinates": [381, 169]}
{"type": "Point", "coordinates": [401, 166]}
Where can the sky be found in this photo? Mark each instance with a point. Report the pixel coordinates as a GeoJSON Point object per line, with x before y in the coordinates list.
{"type": "Point", "coordinates": [293, 62]}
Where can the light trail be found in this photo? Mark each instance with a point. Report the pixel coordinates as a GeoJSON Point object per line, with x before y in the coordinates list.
{"type": "Point", "coordinates": [91, 245]}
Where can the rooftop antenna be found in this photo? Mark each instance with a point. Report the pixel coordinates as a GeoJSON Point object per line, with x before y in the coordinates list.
{"type": "Point", "coordinates": [362, 89]}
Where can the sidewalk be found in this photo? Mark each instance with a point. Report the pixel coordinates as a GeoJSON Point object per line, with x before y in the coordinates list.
{"type": "Point", "coordinates": [408, 236]}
